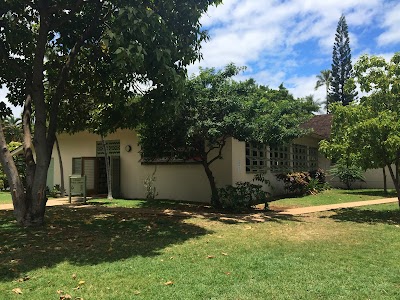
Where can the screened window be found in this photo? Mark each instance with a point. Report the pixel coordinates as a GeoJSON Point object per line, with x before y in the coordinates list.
{"type": "Point", "coordinates": [256, 158]}
{"type": "Point", "coordinates": [113, 148]}
{"type": "Point", "coordinates": [77, 166]}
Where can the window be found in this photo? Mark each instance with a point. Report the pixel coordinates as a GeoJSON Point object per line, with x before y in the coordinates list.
{"type": "Point", "coordinates": [113, 148]}
{"type": "Point", "coordinates": [256, 158]}
{"type": "Point", "coordinates": [312, 158]}
{"type": "Point", "coordinates": [76, 166]}
{"type": "Point", "coordinates": [181, 155]}
{"type": "Point", "coordinates": [279, 159]}
{"type": "Point", "coordinates": [300, 158]}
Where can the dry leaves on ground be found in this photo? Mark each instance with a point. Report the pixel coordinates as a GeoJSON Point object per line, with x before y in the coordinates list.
{"type": "Point", "coordinates": [17, 291]}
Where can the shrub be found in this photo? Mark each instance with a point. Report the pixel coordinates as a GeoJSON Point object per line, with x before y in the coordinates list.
{"type": "Point", "coordinates": [304, 183]}
{"type": "Point", "coordinates": [347, 173]}
{"type": "Point", "coordinates": [241, 196]}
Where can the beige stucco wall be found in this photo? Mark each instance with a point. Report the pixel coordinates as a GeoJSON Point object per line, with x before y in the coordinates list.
{"type": "Point", "coordinates": [239, 164]}
{"type": "Point", "coordinates": [373, 180]}
{"type": "Point", "coordinates": [173, 181]}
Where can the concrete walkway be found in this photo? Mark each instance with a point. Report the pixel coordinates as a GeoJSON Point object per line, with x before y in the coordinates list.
{"type": "Point", "coordinates": [50, 202]}
{"type": "Point", "coordinates": [291, 211]}
{"type": "Point", "coordinates": [312, 209]}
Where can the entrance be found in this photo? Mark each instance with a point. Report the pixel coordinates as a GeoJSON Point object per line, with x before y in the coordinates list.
{"type": "Point", "coordinates": [96, 176]}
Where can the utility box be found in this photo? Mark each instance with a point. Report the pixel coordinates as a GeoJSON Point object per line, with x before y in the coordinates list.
{"type": "Point", "coordinates": [77, 186]}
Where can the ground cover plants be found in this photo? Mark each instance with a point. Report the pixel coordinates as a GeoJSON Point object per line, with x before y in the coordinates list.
{"type": "Point", "coordinates": [99, 252]}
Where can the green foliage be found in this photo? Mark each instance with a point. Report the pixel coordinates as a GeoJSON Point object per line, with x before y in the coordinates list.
{"type": "Point", "coordinates": [303, 183]}
{"type": "Point", "coordinates": [151, 190]}
{"type": "Point", "coordinates": [19, 162]}
{"type": "Point", "coordinates": [347, 173]}
{"type": "Point", "coordinates": [214, 108]}
{"type": "Point", "coordinates": [12, 129]}
{"type": "Point", "coordinates": [341, 66]}
{"type": "Point", "coordinates": [368, 133]}
{"type": "Point", "coordinates": [55, 191]}
{"type": "Point", "coordinates": [241, 196]}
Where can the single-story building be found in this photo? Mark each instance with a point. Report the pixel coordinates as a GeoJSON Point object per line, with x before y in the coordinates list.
{"type": "Point", "coordinates": [83, 154]}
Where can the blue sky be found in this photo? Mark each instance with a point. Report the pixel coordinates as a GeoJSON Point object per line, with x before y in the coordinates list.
{"type": "Point", "coordinates": [291, 41]}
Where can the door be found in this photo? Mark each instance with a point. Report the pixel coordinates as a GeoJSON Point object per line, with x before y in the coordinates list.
{"type": "Point", "coordinates": [89, 168]}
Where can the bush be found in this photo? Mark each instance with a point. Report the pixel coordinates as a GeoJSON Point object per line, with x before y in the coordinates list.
{"type": "Point", "coordinates": [241, 196]}
{"type": "Point", "coordinates": [304, 183]}
{"type": "Point", "coordinates": [347, 173]}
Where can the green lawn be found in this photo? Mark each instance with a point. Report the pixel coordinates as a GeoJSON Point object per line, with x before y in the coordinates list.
{"type": "Point", "coordinates": [108, 253]}
{"type": "Point", "coordinates": [333, 196]}
{"type": "Point", "coordinates": [5, 197]}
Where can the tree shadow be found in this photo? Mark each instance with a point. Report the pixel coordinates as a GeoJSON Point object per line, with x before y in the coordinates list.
{"type": "Point", "coordinates": [391, 217]}
{"type": "Point", "coordinates": [87, 237]}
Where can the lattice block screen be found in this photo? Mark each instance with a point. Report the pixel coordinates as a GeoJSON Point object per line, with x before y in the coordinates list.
{"type": "Point", "coordinates": [279, 158]}
{"type": "Point", "coordinates": [113, 148]}
{"type": "Point", "coordinates": [300, 161]}
{"type": "Point", "coordinates": [256, 158]}
{"type": "Point", "coordinates": [313, 158]}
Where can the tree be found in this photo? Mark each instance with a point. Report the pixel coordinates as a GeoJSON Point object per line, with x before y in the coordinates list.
{"type": "Point", "coordinates": [12, 129]}
{"type": "Point", "coordinates": [369, 132]}
{"type": "Point", "coordinates": [42, 49]}
{"type": "Point", "coordinates": [216, 108]}
{"type": "Point", "coordinates": [341, 66]}
{"type": "Point", "coordinates": [324, 78]}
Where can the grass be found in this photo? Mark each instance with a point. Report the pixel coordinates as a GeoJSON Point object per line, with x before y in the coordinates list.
{"type": "Point", "coordinates": [5, 197]}
{"type": "Point", "coordinates": [109, 253]}
{"type": "Point", "coordinates": [333, 196]}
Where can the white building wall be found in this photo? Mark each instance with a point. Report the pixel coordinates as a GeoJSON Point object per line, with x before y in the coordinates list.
{"type": "Point", "coordinates": [173, 181]}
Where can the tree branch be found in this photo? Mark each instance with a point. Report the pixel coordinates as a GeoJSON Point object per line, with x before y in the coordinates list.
{"type": "Point", "coordinates": [64, 74]}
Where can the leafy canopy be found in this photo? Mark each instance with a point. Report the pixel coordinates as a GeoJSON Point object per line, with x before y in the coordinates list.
{"type": "Point", "coordinates": [369, 132]}
{"type": "Point", "coordinates": [216, 107]}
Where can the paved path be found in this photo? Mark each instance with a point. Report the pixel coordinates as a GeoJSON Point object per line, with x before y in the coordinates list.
{"type": "Point", "coordinates": [50, 202]}
{"type": "Point", "coordinates": [291, 211]}
{"type": "Point", "coordinates": [311, 209]}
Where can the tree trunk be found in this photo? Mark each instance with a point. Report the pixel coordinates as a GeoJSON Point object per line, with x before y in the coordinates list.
{"type": "Point", "coordinates": [62, 186]}
{"type": "Point", "coordinates": [384, 181]}
{"type": "Point", "coordinates": [16, 186]}
{"type": "Point", "coordinates": [395, 182]}
{"type": "Point", "coordinates": [215, 201]}
{"type": "Point", "coordinates": [108, 171]}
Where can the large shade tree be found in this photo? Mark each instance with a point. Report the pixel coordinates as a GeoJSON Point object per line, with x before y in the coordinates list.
{"type": "Point", "coordinates": [215, 108]}
{"type": "Point", "coordinates": [369, 132]}
{"type": "Point", "coordinates": [43, 43]}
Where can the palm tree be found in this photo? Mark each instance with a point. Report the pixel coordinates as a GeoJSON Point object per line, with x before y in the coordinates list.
{"type": "Point", "coordinates": [13, 129]}
{"type": "Point", "coordinates": [324, 78]}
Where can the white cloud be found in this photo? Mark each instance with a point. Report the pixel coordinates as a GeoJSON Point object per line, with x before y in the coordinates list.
{"type": "Point", "coordinates": [246, 31]}
{"type": "Point", "coordinates": [391, 23]}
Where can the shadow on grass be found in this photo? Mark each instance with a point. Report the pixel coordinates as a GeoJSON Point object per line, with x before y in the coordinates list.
{"type": "Point", "coordinates": [205, 211]}
{"type": "Point", "coordinates": [86, 237]}
{"type": "Point", "coordinates": [391, 217]}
